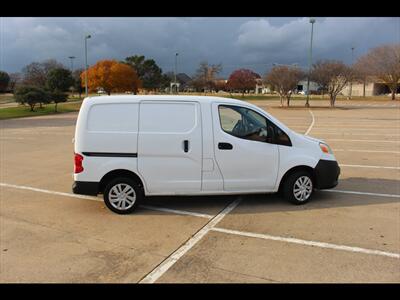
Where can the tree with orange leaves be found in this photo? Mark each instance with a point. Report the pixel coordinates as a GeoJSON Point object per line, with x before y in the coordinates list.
{"type": "Point", "coordinates": [112, 76]}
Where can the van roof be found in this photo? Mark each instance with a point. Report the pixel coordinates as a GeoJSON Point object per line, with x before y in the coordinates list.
{"type": "Point", "coordinates": [202, 99]}
{"type": "Point", "coordinates": [137, 98]}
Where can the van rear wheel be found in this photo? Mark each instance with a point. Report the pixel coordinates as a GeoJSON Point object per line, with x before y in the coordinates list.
{"type": "Point", "coordinates": [122, 195]}
{"type": "Point", "coordinates": [298, 187]}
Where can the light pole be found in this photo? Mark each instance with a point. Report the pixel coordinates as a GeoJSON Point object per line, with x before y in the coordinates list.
{"type": "Point", "coordinates": [72, 70]}
{"type": "Point", "coordinates": [351, 81]}
{"type": "Point", "coordinates": [72, 63]}
{"type": "Point", "coordinates": [176, 71]}
{"type": "Point", "coordinates": [86, 65]}
{"type": "Point", "coordinates": [312, 21]}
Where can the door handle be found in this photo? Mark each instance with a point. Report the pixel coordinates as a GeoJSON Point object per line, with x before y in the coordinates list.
{"type": "Point", "coordinates": [185, 145]}
{"type": "Point", "coordinates": [225, 146]}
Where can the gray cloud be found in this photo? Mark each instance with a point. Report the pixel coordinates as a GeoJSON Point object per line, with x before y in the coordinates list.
{"type": "Point", "coordinates": [254, 43]}
{"type": "Point", "coordinates": [259, 40]}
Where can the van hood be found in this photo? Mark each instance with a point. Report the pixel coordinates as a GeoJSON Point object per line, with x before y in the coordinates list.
{"type": "Point", "coordinates": [309, 138]}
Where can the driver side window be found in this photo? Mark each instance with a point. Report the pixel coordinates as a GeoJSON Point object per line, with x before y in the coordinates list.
{"type": "Point", "coordinates": [244, 123]}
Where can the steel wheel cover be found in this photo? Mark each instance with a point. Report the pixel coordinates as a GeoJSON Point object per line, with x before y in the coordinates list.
{"type": "Point", "coordinates": [122, 196]}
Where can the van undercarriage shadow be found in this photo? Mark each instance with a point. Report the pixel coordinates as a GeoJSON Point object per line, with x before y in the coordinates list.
{"type": "Point", "coordinates": [261, 203]}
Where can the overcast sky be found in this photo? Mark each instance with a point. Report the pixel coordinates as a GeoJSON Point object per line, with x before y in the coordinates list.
{"type": "Point", "coordinates": [253, 43]}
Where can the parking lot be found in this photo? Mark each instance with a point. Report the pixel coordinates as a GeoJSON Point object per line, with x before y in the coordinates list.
{"type": "Point", "coordinates": [348, 234]}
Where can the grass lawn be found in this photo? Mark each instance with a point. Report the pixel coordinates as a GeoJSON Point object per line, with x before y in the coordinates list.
{"type": "Point", "coordinates": [24, 111]}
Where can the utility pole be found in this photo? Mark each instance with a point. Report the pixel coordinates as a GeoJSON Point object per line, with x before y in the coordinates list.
{"type": "Point", "coordinates": [86, 65]}
{"type": "Point", "coordinates": [351, 81]}
{"type": "Point", "coordinates": [176, 72]}
{"type": "Point", "coordinates": [72, 70]}
{"type": "Point", "coordinates": [312, 21]}
{"type": "Point", "coordinates": [72, 63]}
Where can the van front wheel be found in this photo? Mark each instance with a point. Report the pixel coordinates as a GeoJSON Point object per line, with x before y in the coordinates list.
{"type": "Point", "coordinates": [298, 187]}
{"type": "Point", "coordinates": [122, 195]}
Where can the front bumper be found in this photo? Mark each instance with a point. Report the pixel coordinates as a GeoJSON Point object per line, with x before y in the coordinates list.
{"type": "Point", "coordinates": [326, 174]}
{"type": "Point", "coordinates": [85, 188]}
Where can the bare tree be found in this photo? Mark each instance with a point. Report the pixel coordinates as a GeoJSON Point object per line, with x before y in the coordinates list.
{"type": "Point", "coordinates": [384, 63]}
{"type": "Point", "coordinates": [36, 73]}
{"type": "Point", "coordinates": [206, 74]}
{"type": "Point", "coordinates": [331, 75]}
{"type": "Point", "coordinates": [284, 80]}
{"type": "Point", "coordinates": [15, 79]}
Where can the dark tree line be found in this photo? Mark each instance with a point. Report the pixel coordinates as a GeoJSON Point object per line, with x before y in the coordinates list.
{"type": "Point", "coordinates": [49, 81]}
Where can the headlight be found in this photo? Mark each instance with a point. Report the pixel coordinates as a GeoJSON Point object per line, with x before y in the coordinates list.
{"type": "Point", "coordinates": [325, 148]}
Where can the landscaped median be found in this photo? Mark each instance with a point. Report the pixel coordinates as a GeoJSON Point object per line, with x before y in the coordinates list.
{"type": "Point", "coordinates": [24, 111]}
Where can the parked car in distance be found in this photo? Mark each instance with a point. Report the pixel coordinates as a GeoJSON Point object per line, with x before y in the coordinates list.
{"type": "Point", "coordinates": [128, 147]}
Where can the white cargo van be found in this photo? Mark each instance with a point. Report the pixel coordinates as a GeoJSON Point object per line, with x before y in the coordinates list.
{"type": "Point", "coordinates": [128, 147]}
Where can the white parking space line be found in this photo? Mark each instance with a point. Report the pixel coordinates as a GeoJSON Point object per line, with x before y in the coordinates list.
{"type": "Point", "coordinates": [157, 272]}
{"type": "Point", "coordinates": [367, 151]}
{"type": "Point", "coordinates": [369, 141]}
{"type": "Point", "coordinates": [285, 117]}
{"type": "Point", "coordinates": [358, 131]}
{"type": "Point", "coordinates": [312, 123]}
{"type": "Point", "coordinates": [324, 132]}
{"type": "Point", "coordinates": [16, 138]}
{"type": "Point", "coordinates": [29, 188]}
{"type": "Point", "coordinates": [308, 243]}
{"type": "Point", "coordinates": [175, 211]}
{"type": "Point", "coordinates": [178, 253]}
{"type": "Point", "coordinates": [372, 167]}
{"type": "Point", "coordinates": [358, 126]}
{"type": "Point", "coordinates": [362, 193]}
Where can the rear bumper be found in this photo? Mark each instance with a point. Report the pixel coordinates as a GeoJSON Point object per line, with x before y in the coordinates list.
{"type": "Point", "coordinates": [326, 174]}
{"type": "Point", "coordinates": [85, 188]}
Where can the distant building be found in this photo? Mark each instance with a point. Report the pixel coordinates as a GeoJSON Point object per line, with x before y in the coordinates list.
{"type": "Point", "coordinates": [221, 81]}
{"type": "Point", "coordinates": [302, 87]}
{"type": "Point", "coordinates": [220, 84]}
{"type": "Point", "coordinates": [372, 87]}
{"type": "Point", "coordinates": [182, 84]}
{"type": "Point", "coordinates": [263, 88]}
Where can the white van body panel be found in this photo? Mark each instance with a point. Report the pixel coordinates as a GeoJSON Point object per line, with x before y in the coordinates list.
{"type": "Point", "coordinates": [106, 127]}
{"type": "Point", "coordinates": [163, 161]}
{"type": "Point", "coordinates": [152, 129]}
{"type": "Point", "coordinates": [250, 165]}
{"type": "Point", "coordinates": [97, 167]}
{"type": "Point", "coordinates": [212, 180]}
{"type": "Point", "coordinates": [109, 127]}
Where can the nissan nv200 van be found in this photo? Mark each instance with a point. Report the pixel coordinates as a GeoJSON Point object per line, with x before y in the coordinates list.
{"type": "Point", "coordinates": [131, 146]}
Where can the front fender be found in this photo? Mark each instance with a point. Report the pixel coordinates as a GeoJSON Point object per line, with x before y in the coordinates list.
{"type": "Point", "coordinates": [289, 161]}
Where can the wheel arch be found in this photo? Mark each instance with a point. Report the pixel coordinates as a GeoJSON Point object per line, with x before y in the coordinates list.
{"type": "Point", "coordinates": [119, 173]}
{"type": "Point", "coordinates": [296, 169]}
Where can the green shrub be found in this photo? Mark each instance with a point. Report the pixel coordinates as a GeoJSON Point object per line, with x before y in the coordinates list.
{"type": "Point", "coordinates": [57, 97]}
{"type": "Point", "coordinates": [31, 95]}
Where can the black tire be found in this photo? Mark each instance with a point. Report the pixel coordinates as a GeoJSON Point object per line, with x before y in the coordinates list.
{"type": "Point", "coordinates": [289, 186]}
{"type": "Point", "coordinates": [122, 183]}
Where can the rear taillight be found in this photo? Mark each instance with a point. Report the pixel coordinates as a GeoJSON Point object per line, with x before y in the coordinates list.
{"type": "Point", "coordinates": [78, 163]}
